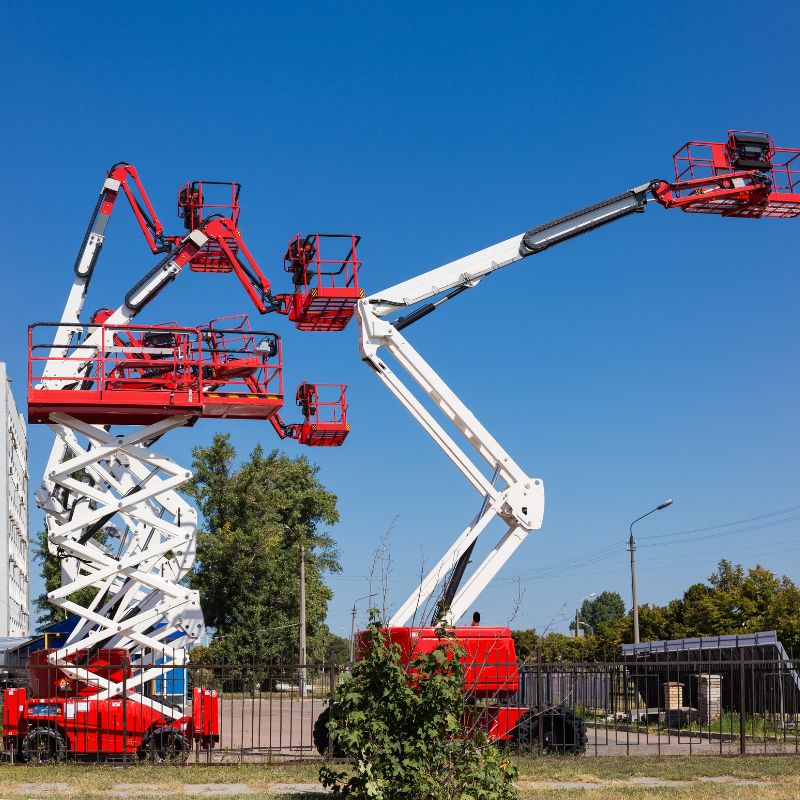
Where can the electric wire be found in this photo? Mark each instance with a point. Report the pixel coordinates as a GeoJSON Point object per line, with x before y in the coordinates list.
{"type": "Point", "coordinates": [684, 537]}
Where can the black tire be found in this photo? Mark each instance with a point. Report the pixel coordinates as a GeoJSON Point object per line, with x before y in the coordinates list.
{"type": "Point", "coordinates": [165, 746]}
{"type": "Point", "coordinates": [563, 732]}
{"type": "Point", "coordinates": [321, 735]}
{"type": "Point", "coordinates": [43, 746]}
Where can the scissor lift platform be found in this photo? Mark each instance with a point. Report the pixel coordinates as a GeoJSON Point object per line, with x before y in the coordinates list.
{"type": "Point", "coordinates": [135, 375]}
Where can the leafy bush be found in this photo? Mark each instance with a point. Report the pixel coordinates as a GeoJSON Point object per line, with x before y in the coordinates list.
{"type": "Point", "coordinates": [402, 727]}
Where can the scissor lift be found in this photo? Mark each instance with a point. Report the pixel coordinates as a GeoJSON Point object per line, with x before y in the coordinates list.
{"type": "Point", "coordinates": [113, 512]}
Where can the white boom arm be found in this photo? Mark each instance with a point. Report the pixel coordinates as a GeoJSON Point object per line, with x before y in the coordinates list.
{"type": "Point", "coordinates": [519, 501]}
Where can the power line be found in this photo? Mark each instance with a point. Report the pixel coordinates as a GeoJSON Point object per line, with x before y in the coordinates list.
{"type": "Point", "coordinates": [720, 534]}
{"type": "Point", "coordinates": [610, 551]}
{"type": "Point", "coordinates": [723, 524]}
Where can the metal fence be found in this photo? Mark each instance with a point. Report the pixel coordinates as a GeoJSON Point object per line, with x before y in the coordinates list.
{"type": "Point", "coordinates": [267, 712]}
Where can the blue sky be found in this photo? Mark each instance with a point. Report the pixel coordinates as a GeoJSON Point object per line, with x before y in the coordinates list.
{"type": "Point", "coordinates": [657, 357]}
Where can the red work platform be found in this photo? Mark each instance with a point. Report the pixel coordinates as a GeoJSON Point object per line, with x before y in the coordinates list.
{"type": "Point", "coordinates": [325, 289]}
{"type": "Point", "coordinates": [324, 407]}
{"type": "Point", "coordinates": [746, 176]}
{"type": "Point", "coordinates": [194, 203]}
{"type": "Point", "coordinates": [135, 375]}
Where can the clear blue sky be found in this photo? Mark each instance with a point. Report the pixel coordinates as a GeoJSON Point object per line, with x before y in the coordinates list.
{"type": "Point", "coordinates": [657, 357]}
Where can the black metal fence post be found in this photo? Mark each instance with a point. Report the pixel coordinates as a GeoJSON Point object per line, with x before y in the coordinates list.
{"type": "Point", "coordinates": [539, 704]}
{"type": "Point", "coordinates": [124, 716]}
{"type": "Point", "coordinates": [742, 698]}
{"type": "Point", "coordinates": [330, 704]}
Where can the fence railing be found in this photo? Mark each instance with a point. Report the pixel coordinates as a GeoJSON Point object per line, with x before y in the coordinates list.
{"type": "Point", "coordinates": [597, 708]}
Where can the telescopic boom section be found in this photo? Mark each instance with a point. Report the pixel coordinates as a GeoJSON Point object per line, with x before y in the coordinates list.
{"type": "Point", "coordinates": [122, 177]}
{"type": "Point", "coordinates": [746, 176]}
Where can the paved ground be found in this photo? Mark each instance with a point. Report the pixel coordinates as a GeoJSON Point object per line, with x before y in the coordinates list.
{"type": "Point", "coordinates": [275, 725]}
{"type": "Point", "coordinates": [282, 726]}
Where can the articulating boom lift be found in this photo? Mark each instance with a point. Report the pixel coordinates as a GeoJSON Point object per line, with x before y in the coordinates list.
{"type": "Point", "coordinates": [113, 514]}
{"type": "Point", "coordinates": [746, 176]}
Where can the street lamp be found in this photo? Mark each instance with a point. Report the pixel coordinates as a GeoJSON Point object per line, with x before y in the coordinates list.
{"type": "Point", "coordinates": [632, 545]}
{"type": "Point", "coordinates": [577, 611]}
{"type": "Point", "coordinates": [353, 625]}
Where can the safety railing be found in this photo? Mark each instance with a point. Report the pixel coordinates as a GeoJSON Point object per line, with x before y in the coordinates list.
{"type": "Point", "coordinates": [701, 160]}
{"type": "Point", "coordinates": [148, 365]}
{"type": "Point", "coordinates": [323, 403]}
{"type": "Point", "coordinates": [309, 269]}
{"type": "Point", "coordinates": [197, 198]}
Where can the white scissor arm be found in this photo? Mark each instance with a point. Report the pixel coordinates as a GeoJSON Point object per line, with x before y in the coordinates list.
{"type": "Point", "coordinates": [518, 500]}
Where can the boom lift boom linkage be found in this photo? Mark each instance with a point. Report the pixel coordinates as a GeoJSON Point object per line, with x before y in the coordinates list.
{"type": "Point", "coordinates": [740, 179]}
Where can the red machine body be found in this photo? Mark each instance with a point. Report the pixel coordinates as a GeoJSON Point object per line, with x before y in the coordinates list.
{"type": "Point", "coordinates": [64, 716]}
{"type": "Point", "coordinates": [491, 671]}
{"type": "Point", "coordinates": [88, 726]}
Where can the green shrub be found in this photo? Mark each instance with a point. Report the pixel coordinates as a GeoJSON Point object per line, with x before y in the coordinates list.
{"type": "Point", "coordinates": [402, 727]}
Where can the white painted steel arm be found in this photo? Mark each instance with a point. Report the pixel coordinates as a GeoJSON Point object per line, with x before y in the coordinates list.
{"type": "Point", "coordinates": [519, 503]}
{"type": "Point", "coordinates": [469, 270]}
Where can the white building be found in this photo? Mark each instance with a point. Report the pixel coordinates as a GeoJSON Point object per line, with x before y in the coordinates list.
{"type": "Point", "coordinates": [14, 590]}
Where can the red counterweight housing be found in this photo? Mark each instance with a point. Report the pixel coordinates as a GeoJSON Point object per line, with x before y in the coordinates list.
{"type": "Point", "coordinates": [193, 207]}
{"type": "Point", "coordinates": [324, 407]}
{"type": "Point", "coordinates": [491, 673]}
{"type": "Point", "coordinates": [325, 288]}
{"type": "Point", "coordinates": [745, 176]}
{"type": "Point", "coordinates": [490, 659]}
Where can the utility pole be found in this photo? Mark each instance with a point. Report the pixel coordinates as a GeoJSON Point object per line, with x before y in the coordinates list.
{"type": "Point", "coordinates": [302, 620]}
{"type": "Point", "coordinates": [577, 623]}
{"type": "Point", "coordinates": [632, 546]}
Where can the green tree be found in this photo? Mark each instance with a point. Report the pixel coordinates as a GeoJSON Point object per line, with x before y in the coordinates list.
{"type": "Point", "coordinates": [337, 649]}
{"type": "Point", "coordinates": [255, 518]}
{"type": "Point", "coordinates": [402, 725]}
{"type": "Point", "coordinates": [605, 608]}
{"type": "Point", "coordinates": [525, 643]}
{"type": "Point", "coordinates": [733, 600]}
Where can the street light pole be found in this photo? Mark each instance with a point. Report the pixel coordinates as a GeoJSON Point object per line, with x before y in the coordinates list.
{"type": "Point", "coordinates": [632, 547]}
{"type": "Point", "coordinates": [353, 624]}
{"type": "Point", "coordinates": [577, 612]}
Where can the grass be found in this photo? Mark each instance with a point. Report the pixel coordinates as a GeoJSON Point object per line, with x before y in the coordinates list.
{"type": "Point", "coordinates": [608, 777]}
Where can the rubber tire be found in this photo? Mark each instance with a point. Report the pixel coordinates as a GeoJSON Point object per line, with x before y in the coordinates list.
{"type": "Point", "coordinates": [321, 735]}
{"type": "Point", "coordinates": [165, 746]}
{"type": "Point", "coordinates": [31, 746]}
{"type": "Point", "coordinates": [564, 732]}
